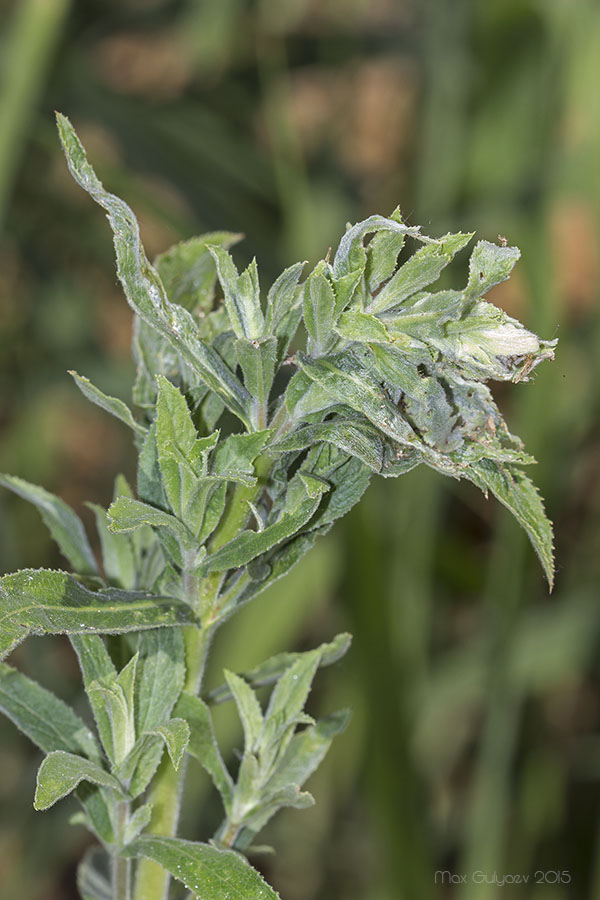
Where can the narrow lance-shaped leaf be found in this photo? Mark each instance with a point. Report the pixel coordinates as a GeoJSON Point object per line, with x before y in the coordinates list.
{"type": "Point", "coordinates": [207, 872]}
{"type": "Point", "coordinates": [250, 544]}
{"type": "Point", "coordinates": [203, 744]}
{"type": "Point", "coordinates": [143, 287]}
{"type": "Point", "coordinates": [42, 717]}
{"type": "Point", "coordinates": [64, 525]}
{"type": "Point", "coordinates": [515, 491]}
{"type": "Point", "coordinates": [272, 669]}
{"type": "Point", "coordinates": [118, 555]}
{"type": "Point", "coordinates": [43, 601]}
{"type": "Point", "coordinates": [248, 708]}
{"type": "Point", "coordinates": [242, 295]}
{"type": "Point", "coordinates": [111, 405]}
{"type": "Point", "coordinates": [96, 666]}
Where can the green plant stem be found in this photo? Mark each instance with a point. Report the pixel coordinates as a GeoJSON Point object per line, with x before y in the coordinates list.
{"type": "Point", "coordinates": [152, 882]}
{"type": "Point", "coordinates": [121, 867]}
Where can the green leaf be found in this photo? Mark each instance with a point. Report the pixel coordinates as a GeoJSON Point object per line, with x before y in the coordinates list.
{"type": "Point", "coordinates": [42, 717]}
{"type": "Point", "coordinates": [354, 325]}
{"type": "Point", "coordinates": [61, 772]}
{"type": "Point", "coordinates": [149, 478]}
{"type": "Point", "coordinates": [299, 509]}
{"type": "Point", "coordinates": [288, 698]}
{"type": "Point", "coordinates": [203, 744]}
{"type": "Point", "coordinates": [210, 873]}
{"type": "Point", "coordinates": [118, 556]}
{"type": "Point", "coordinates": [111, 405]}
{"type": "Point", "coordinates": [182, 454]}
{"type": "Point", "coordinates": [382, 255]}
{"type": "Point", "coordinates": [283, 299]}
{"type": "Point", "coordinates": [241, 294]}
{"type": "Point", "coordinates": [64, 526]}
{"type": "Point", "coordinates": [117, 694]}
{"type": "Point", "coordinates": [127, 514]}
{"type": "Point", "coordinates": [257, 361]}
{"type": "Point", "coordinates": [160, 676]}
{"type": "Point", "coordinates": [515, 491]}
{"type": "Point", "coordinates": [43, 601]}
{"type": "Point", "coordinates": [144, 289]}
{"type": "Point", "coordinates": [421, 269]}
{"type": "Point", "coordinates": [188, 272]}
{"type": "Point", "coordinates": [488, 266]}
{"type": "Point", "coordinates": [306, 751]}
{"type": "Point", "coordinates": [96, 666]}
{"type": "Point", "coordinates": [319, 305]}
{"type": "Point", "coordinates": [234, 457]}
{"type": "Point", "coordinates": [248, 708]}
{"type": "Point", "coordinates": [139, 819]}
{"type": "Point", "coordinates": [346, 381]}
{"type": "Point", "coordinates": [356, 437]}
{"type": "Point", "coordinates": [351, 254]}
{"type": "Point", "coordinates": [176, 735]}
{"type": "Point", "coordinates": [272, 669]}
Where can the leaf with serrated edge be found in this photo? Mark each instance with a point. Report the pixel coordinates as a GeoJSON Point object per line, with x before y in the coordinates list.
{"type": "Point", "coordinates": [143, 287]}
{"type": "Point", "coordinates": [515, 491]}
{"type": "Point", "coordinates": [206, 871]}
{"type": "Point", "coordinates": [176, 734]}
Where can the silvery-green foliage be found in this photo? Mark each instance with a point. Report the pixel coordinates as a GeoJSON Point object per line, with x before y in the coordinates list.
{"type": "Point", "coordinates": [259, 418]}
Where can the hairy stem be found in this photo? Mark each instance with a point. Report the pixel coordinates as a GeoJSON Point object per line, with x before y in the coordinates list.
{"type": "Point", "coordinates": [152, 882]}
{"type": "Point", "coordinates": [121, 867]}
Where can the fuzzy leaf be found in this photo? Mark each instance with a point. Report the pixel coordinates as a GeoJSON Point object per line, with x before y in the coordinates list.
{"type": "Point", "coordinates": [346, 381]}
{"type": "Point", "coordinates": [42, 717]}
{"type": "Point", "coordinates": [210, 873]}
{"type": "Point", "coordinates": [61, 772]}
{"type": "Point", "coordinates": [319, 306]}
{"type": "Point", "coordinates": [137, 822]}
{"type": "Point", "coordinates": [306, 751]}
{"type": "Point", "coordinates": [203, 744]}
{"type": "Point", "coordinates": [188, 271]}
{"type": "Point", "coordinates": [96, 666]}
{"type": "Point", "coordinates": [351, 254]}
{"type": "Point", "coordinates": [356, 437]}
{"type": "Point", "coordinates": [44, 601]}
{"type": "Point", "coordinates": [111, 405]}
{"type": "Point", "coordinates": [299, 509]}
{"type": "Point", "coordinates": [64, 526]}
{"type": "Point", "coordinates": [282, 299]}
{"type": "Point", "coordinates": [288, 698]}
{"type": "Point", "coordinates": [127, 514]}
{"type": "Point", "coordinates": [272, 669]}
{"type": "Point", "coordinates": [118, 556]}
{"type": "Point", "coordinates": [160, 676]}
{"type": "Point", "coordinates": [421, 269]}
{"type": "Point", "coordinates": [257, 361]}
{"type": "Point", "coordinates": [248, 708]}
{"type": "Point", "coordinates": [488, 266]}
{"type": "Point", "coordinates": [176, 735]}
{"type": "Point", "coordinates": [515, 491]}
{"type": "Point", "coordinates": [143, 287]}
{"type": "Point", "coordinates": [242, 295]}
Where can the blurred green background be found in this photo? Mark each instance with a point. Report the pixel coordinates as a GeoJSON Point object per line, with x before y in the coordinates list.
{"type": "Point", "coordinates": [475, 742]}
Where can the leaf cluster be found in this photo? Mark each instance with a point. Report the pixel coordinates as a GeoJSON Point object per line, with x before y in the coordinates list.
{"type": "Point", "coordinates": [258, 421]}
